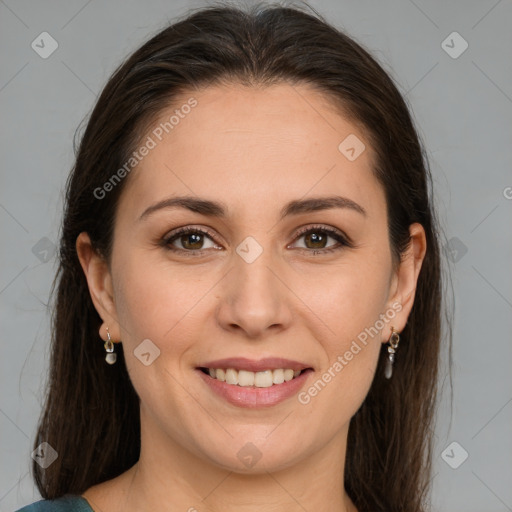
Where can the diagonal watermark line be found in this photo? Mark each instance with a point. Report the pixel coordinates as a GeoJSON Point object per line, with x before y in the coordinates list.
{"type": "Point", "coordinates": [74, 16]}
{"type": "Point", "coordinates": [499, 293]}
{"type": "Point", "coordinates": [205, 294]}
{"type": "Point", "coordinates": [193, 193]}
{"type": "Point", "coordinates": [130, 486]}
{"type": "Point", "coordinates": [13, 218]}
{"type": "Point", "coordinates": [280, 423]}
{"type": "Point", "coordinates": [13, 13]}
{"type": "Point", "coordinates": [286, 491]}
{"type": "Point", "coordinates": [308, 191]}
{"type": "Point", "coordinates": [177, 177]}
{"type": "Point", "coordinates": [492, 81]}
{"type": "Point", "coordinates": [425, 14]}
{"type": "Point", "coordinates": [484, 218]}
{"type": "Point", "coordinates": [492, 418]}
{"type": "Point", "coordinates": [13, 279]}
{"type": "Point", "coordinates": [490, 490]}
{"type": "Point", "coordinates": [217, 486]}
{"type": "Point", "coordinates": [5, 85]}
{"type": "Point", "coordinates": [195, 399]}
{"type": "Point", "coordinates": [78, 78]}
{"type": "Point", "coordinates": [432, 478]}
{"type": "Point", "coordinates": [301, 300]}
{"type": "Point", "coordinates": [410, 90]}
{"type": "Point", "coordinates": [485, 15]}
{"type": "Point", "coordinates": [14, 486]}
{"type": "Point", "coordinates": [14, 423]}
{"type": "Point", "coordinates": [303, 98]}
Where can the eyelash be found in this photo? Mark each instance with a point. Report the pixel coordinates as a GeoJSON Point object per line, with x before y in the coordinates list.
{"type": "Point", "coordinates": [342, 240]}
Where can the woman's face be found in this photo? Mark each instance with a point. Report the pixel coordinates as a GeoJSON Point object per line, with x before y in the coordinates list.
{"type": "Point", "coordinates": [287, 258]}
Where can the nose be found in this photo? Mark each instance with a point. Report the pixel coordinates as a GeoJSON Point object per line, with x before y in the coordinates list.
{"type": "Point", "coordinates": [254, 298]}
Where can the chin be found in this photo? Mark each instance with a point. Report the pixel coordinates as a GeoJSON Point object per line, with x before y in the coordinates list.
{"type": "Point", "coordinates": [245, 456]}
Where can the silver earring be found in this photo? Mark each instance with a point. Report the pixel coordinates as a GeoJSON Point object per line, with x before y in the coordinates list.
{"type": "Point", "coordinates": [393, 345]}
{"type": "Point", "coordinates": [111, 356]}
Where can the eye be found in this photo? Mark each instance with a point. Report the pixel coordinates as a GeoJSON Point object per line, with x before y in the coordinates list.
{"type": "Point", "coordinates": [316, 237]}
{"type": "Point", "coordinates": [189, 240]}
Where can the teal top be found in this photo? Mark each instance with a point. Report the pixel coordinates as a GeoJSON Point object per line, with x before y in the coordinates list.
{"type": "Point", "coordinates": [67, 503]}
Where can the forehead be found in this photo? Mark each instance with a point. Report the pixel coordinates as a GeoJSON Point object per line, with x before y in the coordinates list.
{"type": "Point", "coordinates": [255, 146]}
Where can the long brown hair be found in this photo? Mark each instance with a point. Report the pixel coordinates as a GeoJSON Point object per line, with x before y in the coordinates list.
{"type": "Point", "coordinates": [91, 411]}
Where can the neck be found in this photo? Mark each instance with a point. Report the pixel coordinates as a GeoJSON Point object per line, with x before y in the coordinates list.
{"type": "Point", "coordinates": [169, 477]}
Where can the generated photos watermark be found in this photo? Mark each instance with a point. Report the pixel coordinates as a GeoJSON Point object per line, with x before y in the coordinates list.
{"type": "Point", "coordinates": [150, 143]}
{"type": "Point", "coordinates": [304, 397]}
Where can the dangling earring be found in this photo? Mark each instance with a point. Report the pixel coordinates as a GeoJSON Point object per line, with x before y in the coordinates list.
{"type": "Point", "coordinates": [111, 356]}
{"type": "Point", "coordinates": [393, 344]}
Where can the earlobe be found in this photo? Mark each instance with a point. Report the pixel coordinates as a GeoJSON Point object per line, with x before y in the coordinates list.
{"type": "Point", "coordinates": [406, 277]}
{"type": "Point", "coordinates": [99, 281]}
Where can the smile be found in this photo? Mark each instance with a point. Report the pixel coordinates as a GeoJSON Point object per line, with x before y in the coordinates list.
{"type": "Point", "coordinates": [245, 378]}
{"type": "Point", "coordinates": [247, 389]}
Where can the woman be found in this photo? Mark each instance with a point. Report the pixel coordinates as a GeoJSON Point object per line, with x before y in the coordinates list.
{"type": "Point", "coordinates": [248, 305]}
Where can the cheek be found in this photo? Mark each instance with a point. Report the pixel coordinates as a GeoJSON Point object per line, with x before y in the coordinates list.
{"type": "Point", "coordinates": [162, 303]}
{"type": "Point", "coordinates": [350, 298]}
{"type": "Point", "coordinates": [147, 298]}
{"type": "Point", "coordinates": [154, 304]}
{"type": "Point", "coordinates": [351, 347]}
{"type": "Point", "coordinates": [349, 304]}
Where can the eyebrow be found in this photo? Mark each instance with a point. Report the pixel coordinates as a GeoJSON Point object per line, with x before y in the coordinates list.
{"type": "Point", "coordinates": [217, 209]}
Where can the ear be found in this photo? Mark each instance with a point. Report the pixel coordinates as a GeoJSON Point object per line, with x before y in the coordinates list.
{"type": "Point", "coordinates": [404, 281]}
{"type": "Point", "coordinates": [99, 280]}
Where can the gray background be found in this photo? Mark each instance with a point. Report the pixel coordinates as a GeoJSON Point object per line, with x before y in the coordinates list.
{"type": "Point", "coordinates": [463, 107]}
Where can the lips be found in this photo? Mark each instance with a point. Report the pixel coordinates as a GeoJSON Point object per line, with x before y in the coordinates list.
{"type": "Point", "coordinates": [263, 392]}
{"type": "Point", "coordinates": [255, 397]}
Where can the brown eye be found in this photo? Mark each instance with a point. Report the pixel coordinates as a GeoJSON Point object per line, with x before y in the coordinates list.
{"type": "Point", "coordinates": [316, 239]}
{"type": "Point", "coordinates": [189, 240]}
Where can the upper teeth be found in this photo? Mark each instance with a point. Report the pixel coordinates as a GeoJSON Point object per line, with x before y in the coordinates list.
{"type": "Point", "coordinates": [263, 379]}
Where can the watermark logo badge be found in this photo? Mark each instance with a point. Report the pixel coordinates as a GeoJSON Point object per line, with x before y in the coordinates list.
{"type": "Point", "coordinates": [44, 45]}
{"type": "Point", "coordinates": [454, 45]}
{"type": "Point", "coordinates": [455, 249]}
{"type": "Point", "coordinates": [351, 147]}
{"type": "Point", "coordinates": [249, 249]}
{"type": "Point", "coordinates": [454, 455]}
{"type": "Point", "coordinates": [304, 397]}
{"type": "Point", "coordinates": [249, 455]}
{"type": "Point", "coordinates": [44, 250]}
{"type": "Point", "coordinates": [147, 352]}
{"type": "Point", "coordinates": [44, 455]}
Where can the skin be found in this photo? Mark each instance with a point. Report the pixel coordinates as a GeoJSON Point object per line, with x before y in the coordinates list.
{"type": "Point", "coordinates": [253, 149]}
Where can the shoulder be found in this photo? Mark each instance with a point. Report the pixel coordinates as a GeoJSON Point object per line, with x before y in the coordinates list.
{"type": "Point", "coordinates": [67, 503]}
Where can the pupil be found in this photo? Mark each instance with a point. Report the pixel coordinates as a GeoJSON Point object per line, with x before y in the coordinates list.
{"type": "Point", "coordinates": [315, 238]}
{"type": "Point", "coordinates": [196, 241]}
